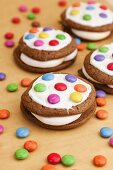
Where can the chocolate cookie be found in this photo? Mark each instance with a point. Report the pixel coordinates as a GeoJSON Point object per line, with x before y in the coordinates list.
{"type": "Point", "coordinates": [59, 101]}
{"type": "Point", "coordinates": [90, 21]}
{"type": "Point", "coordinates": [98, 68]}
{"type": "Point", "coordinates": [45, 50]}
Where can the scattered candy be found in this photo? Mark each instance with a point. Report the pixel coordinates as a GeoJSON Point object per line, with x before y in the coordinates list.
{"type": "Point", "coordinates": [77, 40]}
{"type": "Point", "coordinates": [110, 66]}
{"type": "Point", "coordinates": [12, 87]}
{"type": "Point", "coordinates": [22, 132]}
{"type": "Point", "coordinates": [30, 145]}
{"type": "Point", "coordinates": [2, 76]}
{"type": "Point", "coordinates": [87, 17]}
{"type": "Point", "coordinates": [31, 16]}
{"type": "Point", "coordinates": [35, 24]}
{"type": "Point", "coordinates": [16, 20]}
{"type": "Point", "coordinates": [36, 10]}
{"type": "Point", "coordinates": [106, 132]}
{"type": "Point", "coordinates": [25, 82]}
{"type": "Point", "coordinates": [21, 154]}
{"type": "Point", "coordinates": [48, 167]}
{"type": "Point", "coordinates": [102, 114]}
{"type": "Point", "coordinates": [9, 43]}
{"type": "Point", "coordinates": [23, 8]}
{"type": "Point", "coordinates": [100, 101]}
{"type": "Point", "coordinates": [54, 158]}
{"type": "Point", "coordinates": [9, 35]}
{"type": "Point", "coordinates": [53, 98]}
{"type": "Point", "coordinates": [100, 93]}
{"type": "Point", "coordinates": [40, 87]}
{"type": "Point", "coordinates": [1, 129]}
{"type": "Point", "coordinates": [60, 86]}
{"type": "Point", "coordinates": [103, 49]}
{"type": "Point", "coordinates": [81, 46]}
{"type": "Point", "coordinates": [62, 3]}
{"type": "Point", "coordinates": [91, 46]}
{"type": "Point", "coordinates": [71, 78]}
{"type": "Point", "coordinates": [80, 88]}
{"type": "Point", "coordinates": [99, 161]}
{"type": "Point", "coordinates": [48, 77]}
{"type": "Point", "coordinates": [111, 141]}
{"type": "Point", "coordinates": [68, 160]}
{"type": "Point", "coordinates": [76, 97]}
{"type": "Point", "coordinates": [4, 114]}
{"type": "Point", "coordinates": [99, 57]}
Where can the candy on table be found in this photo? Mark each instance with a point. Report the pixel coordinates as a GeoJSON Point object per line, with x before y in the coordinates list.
{"type": "Point", "coordinates": [1, 129]}
{"type": "Point", "coordinates": [30, 145]}
{"type": "Point", "coordinates": [77, 40]}
{"type": "Point", "coordinates": [22, 132]}
{"type": "Point", "coordinates": [91, 46]}
{"type": "Point", "coordinates": [48, 167]}
{"type": "Point", "coordinates": [31, 16]}
{"type": "Point", "coordinates": [16, 20]}
{"type": "Point", "coordinates": [81, 46]}
{"type": "Point", "coordinates": [35, 24]}
{"type": "Point", "coordinates": [23, 8]}
{"type": "Point", "coordinates": [62, 3]}
{"type": "Point", "coordinates": [100, 94]}
{"type": "Point", "coordinates": [9, 35]}
{"type": "Point", "coordinates": [102, 114]}
{"type": "Point", "coordinates": [21, 154]}
{"type": "Point", "coordinates": [111, 141]}
{"type": "Point", "coordinates": [4, 114]}
{"type": "Point", "coordinates": [106, 132]}
{"type": "Point", "coordinates": [2, 76]}
{"type": "Point", "coordinates": [99, 160]}
{"type": "Point", "coordinates": [25, 82]}
{"type": "Point", "coordinates": [54, 158]}
{"type": "Point", "coordinates": [12, 87]}
{"type": "Point", "coordinates": [68, 160]}
{"type": "Point", "coordinates": [36, 10]}
{"type": "Point", "coordinates": [100, 101]}
{"type": "Point", "coordinates": [9, 43]}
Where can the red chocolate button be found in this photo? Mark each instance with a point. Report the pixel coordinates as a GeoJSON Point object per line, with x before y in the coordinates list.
{"type": "Point", "coordinates": [60, 86]}
{"type": "Point", "coordinates": [54, 158]}
{"type": "Point", "coordinates": [53, 42]}
{"type": "Point", "coordinates": [110, 66]}
{"type": "Point", "coordinates": [103, 7]}
{"type": "Point", "coordinates": [9, 35]}
{"type": "Point", "coordinates": [16, 20]}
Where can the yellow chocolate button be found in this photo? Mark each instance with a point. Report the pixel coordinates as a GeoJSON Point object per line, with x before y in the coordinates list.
{"type": "Point", "coordinates": [43, 35]}
{"type": "Point", "coordinates": [74, 12]}
{"type": "Point", "coordinates": [76, 97]}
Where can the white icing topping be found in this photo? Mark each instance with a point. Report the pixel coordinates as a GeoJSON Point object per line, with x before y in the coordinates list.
{"type": "Point", "coordinates": [46, 64]}
{"type": "Point", "coordinates": [52, 36]}
{"type": "Point", "coordinates": [91, 35]}
{"type": "Point", "coordinates": [102, 65]}
{"type": "Point", "coordinates": [65, 101]}
{"type": "Point", "coordinates": [57, 121]}
{"type": "Point", "coordinates": [96, 19]}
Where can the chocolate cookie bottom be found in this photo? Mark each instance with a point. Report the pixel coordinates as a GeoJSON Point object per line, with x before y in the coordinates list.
{"type": "Point", "coordinates": [83, 118]}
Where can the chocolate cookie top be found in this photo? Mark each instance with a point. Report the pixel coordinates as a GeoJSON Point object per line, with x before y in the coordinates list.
{"type": "Point", "coordinates": [90, 14]}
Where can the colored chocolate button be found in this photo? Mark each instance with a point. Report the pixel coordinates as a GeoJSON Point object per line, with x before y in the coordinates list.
{"type": "Point", "coordinates": [53, 42]}
{"type": "Point", "coordinates": [38, 43]}
{"type": "Point", "coordinates": [71, 78]}
{"type": "Point", "coordinates": [43, 35]}
{"type": "Point", "coordinates": [80, 88]}
{"type": "Point", "coordinates": [103, 15]}
{"type": "Point", "coordinates": [74, 12]}
{"type": "Point", "coordinates": [29, 36]}
{"type": "Point", "coordinates": [110, 66]}
{"type": "Point", "coordinates": [87, 17]}
{"type": "Point", "coordinates": [60, 37]}
{"type": "Point", "coordinates": [48, 77]}
{"type": "Point", "coordinates": [47, 29]}
{"type": "Point", "coordinates": [60, 86]}
{"type": "Point", "coordinates": [106, 132]}
{"type": "Point", "coordinates": [90, 7]}
{"type": "Point", "coordinates": [103, 49]}
{"type": "Point", "coordinates": [40, 87]}
{"type": "Point", "coordinates": [76, 97]}
{"type": "Point", "coordinates": [53, 98]}
{"type": "Point", "coordinates": [99, 57]}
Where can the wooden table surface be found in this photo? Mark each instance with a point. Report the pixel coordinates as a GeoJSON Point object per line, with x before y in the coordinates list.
{"type": "Point", "coordinates": [84, 142]}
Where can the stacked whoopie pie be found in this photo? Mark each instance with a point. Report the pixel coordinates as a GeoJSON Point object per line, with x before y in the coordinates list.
{"type": "Point", "coordinates": [90, 21]}
{"type": "Point", "coordinates": [45, 50]}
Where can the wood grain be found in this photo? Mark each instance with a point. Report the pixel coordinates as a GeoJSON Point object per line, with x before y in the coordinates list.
{"type": "Point", "coordinates": [83, 142]}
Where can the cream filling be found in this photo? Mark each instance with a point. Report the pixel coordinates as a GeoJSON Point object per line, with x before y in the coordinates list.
{"type": "Point", "coordinates": [47, 64]}
{"type": "Point", "coordinates": [90, 78]}
{"type": "Point", "coordinates": [91, 35]}
{"type": "Point", "coordinates": [57, 121]}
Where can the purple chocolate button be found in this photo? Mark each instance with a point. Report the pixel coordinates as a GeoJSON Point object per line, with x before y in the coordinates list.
{"type": "Point", "coordinates": [38, 43]}
{"type": "Point", "coordinates": [100, 94]}
{"type": "Point", "coordinates": [47, 29]}
{"type": "Point", "coordinates": [99, 57]}
{"type": "Point", "coordinates": [71, 78]}
{"type": "Point", "coordinates": [53, 98]}
{"type": "Point", "coordinates": [9, 43]}
{"type": "Point", "coordinates": [103, 15]}
{"type": "Point", "coordinates": [2, 76]}
{"type": "Point", "coordinates": [1, 129]}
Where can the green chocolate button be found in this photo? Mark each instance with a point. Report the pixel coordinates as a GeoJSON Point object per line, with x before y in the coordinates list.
{"type": "Point", "coordinates": [21, 154]}
{"type": "Point", "coordinates": [87, 17]}
{"type": "Point", "coordinates": [31, 16]}
{"type": "Point", "coordinates": [40, 87]}
{"type": "Point", "coordinates": [91, 46]}
{"type": "Point", "coordinates": [103, 49]}
{"type": "Point", "coordinates": [68, 160]}
{"type": "Point", "coordinates": [12, 87]}
{"type": "Point", "coordinates": [60, 37]}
